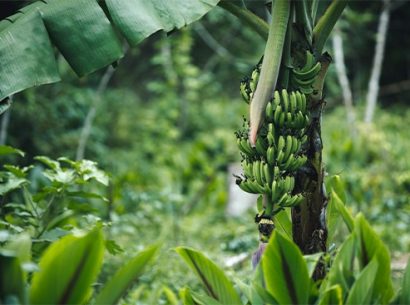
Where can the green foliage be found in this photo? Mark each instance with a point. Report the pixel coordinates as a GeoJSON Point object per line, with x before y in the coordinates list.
{"type": "Point", "coordinates": [52, 203]}
{"type": "Point", "coordinates": [359, 274]}
{"type": "Point", "coordinates": [68, 268]}
{"type": "Point", "coordinates": [364, 162]}
{"type": "Point", "coordinates": [124, 277]}
{"type": "Point", "coordinates": [213, 278]}
{"type": "Point", "coordinates": [66, 272]}
{"type": "Point", "coordinates": [12, 288]}
{"type": "Point", "coordinates": [73, 27]}
{"type": "Point", "coordinates": [290, 283]}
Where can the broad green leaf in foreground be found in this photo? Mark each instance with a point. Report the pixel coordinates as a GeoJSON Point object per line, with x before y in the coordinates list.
{"type": "Point", "coordinates": [203, 299]}
{"type": "Point", "coordinates": [342, 273]}
{"type": "Point", "coordinates": [332, 296]}
{"type": "Point", "coordinates": [214, 279]}
{"type": "Point", "coordinates": [125, 277]}
{"type": "Point", "coordinates": [11, 279]}
{"type": "Point", "coordinates": [371, 247]}
{"type": "Point", "coordinates": [339, 205]}
{"type": "Point", "coordinates": [68, 268]}
{"type": "Point", "coordinates": [333, 215]}
{"type": "Point", "coordinates": [186, 297]}
{"type": "Point", "coordinates": [285, 271]}
{"type": "Point", "coordinates": [362, 288]}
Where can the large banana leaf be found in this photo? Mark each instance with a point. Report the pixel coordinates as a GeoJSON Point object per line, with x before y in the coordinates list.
{"type": "Point", "coordinates": [86, 32]}
{"type": "Point", "coordinates": [217, 284]}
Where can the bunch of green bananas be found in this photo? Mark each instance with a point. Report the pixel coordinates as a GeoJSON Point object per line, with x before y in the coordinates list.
{"type": "Point", "coordinates": [303, 78]}
{"type": "Point", "coordinates": [269, 168]}
{"type": "Point", "coordinates": [248, 85]}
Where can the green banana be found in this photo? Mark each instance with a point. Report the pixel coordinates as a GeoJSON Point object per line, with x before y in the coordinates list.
{"type": "Point", "coordinates": [254, 80]}
{"type": "Point", "coordinates": [310, 60]}
{"type": "Point", "coordinates": [281, 143]}
{"type": "Point", "coordinates": [276, 98]}
{"type": "Point", "coordinates": [270, 155]}
{"type": "Point", "coordinates": [293, 102]}
{"type": "Point", "coordinates": [276, 172]}
{"type": "Point", "coordinates": [245, 147]}
{"type": "Point", "coordinates": [269, 111]}
{"type": "Point", "coordinates": [260, 146]}
{"type": "Point", "coordinates": [244, 91]}
{"type": "Point", "coordinates": [288, 147]}
{"type": "Point", "coordinates": [314, 70]}
{"type": "Point", "coordinates": [285, 100]}
{"type": "Point", "coordinates": [276, 114]}
{"type": "Point", "coordinates": [282, 120]}
{"type": "Point", "coordinates": [288, 162]}
{"type": "Point", "coordinates": [257, 171]}
{"type": "Point", "coordinates": [295, 145]}
{"type": "Point", "coordinates": [267, 174]}
{"type": "Point", "coordinates": [301, 101]}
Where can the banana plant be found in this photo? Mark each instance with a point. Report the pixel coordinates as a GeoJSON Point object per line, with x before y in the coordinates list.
{"type": "Point", "coordinates": [282, 146]}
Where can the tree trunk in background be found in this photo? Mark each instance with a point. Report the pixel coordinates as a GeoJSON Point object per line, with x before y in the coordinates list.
{"type": "Point", "coordinates": [5, 124]}
{"type": "Point", "coordinates": [89, 119]}
{"type": "Point", "coordinates": [373, 87]}
{"type": "Point", "coordinates": [343, 79]}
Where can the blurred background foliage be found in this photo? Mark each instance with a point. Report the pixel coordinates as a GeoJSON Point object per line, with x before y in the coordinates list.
{"type": "Point", "coordinates": [164, 132]}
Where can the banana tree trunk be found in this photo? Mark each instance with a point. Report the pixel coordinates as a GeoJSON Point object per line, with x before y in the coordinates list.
{"type": "Point", "coordinates": [308, 219]}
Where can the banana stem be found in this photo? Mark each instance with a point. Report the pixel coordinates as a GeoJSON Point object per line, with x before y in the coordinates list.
{"type": "Point", "coordinates": [270, 65]}
{"type": "Point", "coordinates": [303, 17]}
{"type": "Point", "coordinates": [247, 17]}
{"type": "Point", "coordinates": [308, 228]}
{"type": "Point", "coordinates": [326, 23]}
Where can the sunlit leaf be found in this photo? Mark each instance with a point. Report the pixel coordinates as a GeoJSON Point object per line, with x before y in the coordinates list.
{"type": "Point", "coordinates": [11, 184]}
{"type": "Point", "coordinates": [68, 268]}
{"type": "Point", "coordinates": [49, 162]}
{"type": "Point", "coordinates": [371, 247]}
{"type": "Point", "coordinates": [285, 271]}
{"type": "Point", "coordinates": [170, 296]}
{"type": "Point", "coordinates": [346, 216]}
{"type": "Point", "coordinates": [89, 170]}
{"type": "Point", "coordinates": [362, 288]}
{"type": "Point", "coordinates": [8, 150]}
{"type": "Point", "coordinates": [332, 296]}
{"type": "Point", "coordinates": [203, 299]}
{"type": "Point", "coordinates": [125, 277]}
{"type": "Point", "coordinates": [342, 272]}
{"type": "Point", "coordinates": [186, 297]}
{"type": "Point", "coordinates": [212, 277]}
{"type": "Point", "coordinates": [283, 223]}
